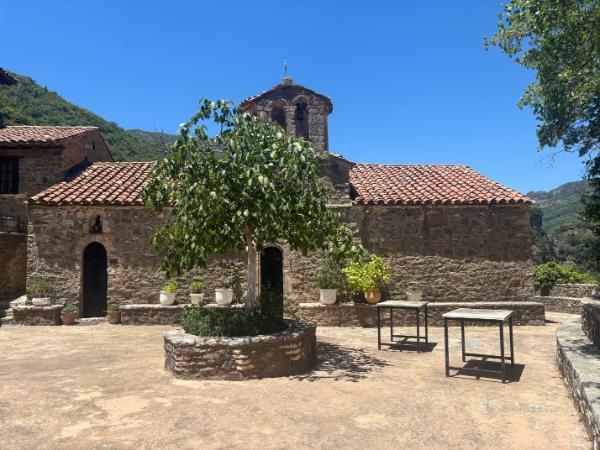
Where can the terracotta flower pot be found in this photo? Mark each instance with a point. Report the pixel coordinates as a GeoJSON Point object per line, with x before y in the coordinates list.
{"type": "Point", "coordinates": [372, 297]}
{"type": "Point", "coordinates": [114, 317]}
{"type": "Point", "coordinates": [68, 318]}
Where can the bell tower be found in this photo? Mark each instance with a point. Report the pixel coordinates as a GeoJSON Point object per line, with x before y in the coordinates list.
{"type": "Point", "coordinates": [300, 111]}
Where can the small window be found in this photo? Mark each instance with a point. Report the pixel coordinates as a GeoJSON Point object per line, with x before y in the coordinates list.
{"type": "Point", "coordinates": [301, 121]}
{"type": "Point", "coordinates": [278, 114]}
{"type": "Point", "coordinates": [9, 175]}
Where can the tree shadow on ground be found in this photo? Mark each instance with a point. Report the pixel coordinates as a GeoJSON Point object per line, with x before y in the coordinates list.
{"type": "Point", "coordinates": [335, 362]}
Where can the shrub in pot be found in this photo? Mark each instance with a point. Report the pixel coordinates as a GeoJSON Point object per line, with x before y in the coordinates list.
{"type": "Point", "coordinates": [414, 295]}
{"type": "Point", "coordinates": [39, 290]}
{"type": "Point", "coordinates": [68, 314]}
{"type": "Point", "coordinates": [227, 278]}
{"type": "Point", "coordinates": [113, 314]}
{"type": "Point", "coordinates": [330, 278]}
{"type": "Point", "coordinates": [167, 293]}
{"type": "Point", "coordinates": [196, 295]}
{"type": "Point", "coordinates": [368, 277]}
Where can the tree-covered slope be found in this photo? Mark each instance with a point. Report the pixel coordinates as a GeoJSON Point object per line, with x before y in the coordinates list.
{"type": "Point", "coordinates": [562, 236]}
{"type": "Point", "coordinates": [27, 103]}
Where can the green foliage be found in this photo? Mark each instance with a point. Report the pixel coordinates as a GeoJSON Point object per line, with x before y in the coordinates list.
{"type": "Point", "coordinates": [27, 103]}
{"type": "Point", "coordinates": [170, 286]}
{"type": "Point", "coordinates": [247, 186]}
{"type": "Point", "coordinates": [329, 274]}
{"type": "Point", "coordinates": [228, 275]}
{"type": "Point", "coordinates": [228, 322]}
{"type": "Point", "coordinates": [39, 287]}
{"type": "Point", "coordinates": [113, 308]}
{"type": "Point", "coordinates": [196, 287]}
{"type": "Point", "coordinates": [547, 275]}
{"type": "Point", "coordinates": [69, 309]}
{"type": "Point", "coordinates": [364, 277]}
{"type": "Point", "coordinates": [343, 249]}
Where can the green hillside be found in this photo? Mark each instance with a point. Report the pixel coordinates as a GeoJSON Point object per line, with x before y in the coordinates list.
{"type": "Point", "coordinates": [559, 232]}
{"type": "Point", "coordinates": [27, 103]}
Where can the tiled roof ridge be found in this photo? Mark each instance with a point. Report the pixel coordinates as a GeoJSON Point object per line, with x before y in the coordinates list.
{"type": "Point", "coordinates": [42, 134]}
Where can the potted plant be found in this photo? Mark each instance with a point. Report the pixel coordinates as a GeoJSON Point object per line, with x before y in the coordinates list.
{"type": "Point", "coordinates": [113, 314]}
{"type": "Point", "coordinates": [330, 278]}
{"type": "Point", "coordinates": [227, 279]}
{"type": "Point", "coordinates": [68, 314]}
{"type": "Point", "coordinates": [196, 295]}
{"type": "Point", "coordinates": [368, 277]}
{"type": "Point", "coordinates": [414, 294]}
{"type": "Point", "coordinates": [39, 290]}
{"type": "Point", "coordinates": [167, 293]}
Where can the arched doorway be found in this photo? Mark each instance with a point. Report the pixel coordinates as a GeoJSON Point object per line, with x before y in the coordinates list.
{"type": "Point", "coordinates": [95, 280]}
{"type": "Point", "coordinates": [271, 280]}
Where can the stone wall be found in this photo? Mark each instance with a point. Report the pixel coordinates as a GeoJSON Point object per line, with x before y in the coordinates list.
{"type": "Point", "coordinates": [568, 305]}
{"type": "Point", "coordinates": [151, 314]}
{"type": "Point", "coordinates": [590, 320]}
{"type": "Point", "coordinates": [37, 315]}
{"type": "Point", "coordinates": [289, 352]}
{"type": "Point", "coordinates": [364, 315]}
{"type": "Point", "coordinates": [579, 364]}
{"type": "Point", "coordinates": [574, 290]}
{"type": "Point", "coordinates": [454, 254]}
{"type": "Point", "coordinates": [13, 264]}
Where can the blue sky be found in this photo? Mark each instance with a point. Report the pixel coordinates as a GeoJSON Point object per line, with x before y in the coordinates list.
{"type": "Point", "coordinates": [410, 81]}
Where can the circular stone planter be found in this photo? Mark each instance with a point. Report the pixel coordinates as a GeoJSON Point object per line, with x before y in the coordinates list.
{"type": "Point", "coordinates": [289, 352]}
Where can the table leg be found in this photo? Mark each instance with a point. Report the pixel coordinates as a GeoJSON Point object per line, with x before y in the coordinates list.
{"type": "Point", "coordinates": [378, 328]}
{"type": "Point", "coordinates": [446, 347]}
{"type": "Point", "coordinates": [391, 324]}
{"type": "Point", "coordinates": [502, 362]}
{"type": "Point", "coordinates": [510, 335]}
{"type": "Point", "coordinates": [426, 328]}
{"type": "Point", "coordinates": [418, 333]}
{"type": "Point", "coordinates": [462, 339]}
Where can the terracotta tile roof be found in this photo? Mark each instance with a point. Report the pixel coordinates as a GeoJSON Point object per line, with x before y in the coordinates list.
{"type": "Point", "coordinates": [427, 184]}
{"type": "Point", "coordinates": [21, 134]}
{"type": "Point", "coordinates": [103, 183]}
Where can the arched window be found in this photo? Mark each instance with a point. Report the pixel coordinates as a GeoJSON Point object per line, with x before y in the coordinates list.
{"type": "Point", "coordinates": [301, 120]}
{"type": "Point", "coordinates": [278, 114]}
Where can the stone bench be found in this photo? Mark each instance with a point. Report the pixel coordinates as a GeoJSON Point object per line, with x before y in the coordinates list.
{"type": "Point", "coordinates": [37, 315]}
{"type": "Point", "coordinates": [364, 315]}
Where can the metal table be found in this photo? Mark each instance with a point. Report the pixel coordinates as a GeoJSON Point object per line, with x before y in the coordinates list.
{"type": "Point", "coordinates": [418, 307]}
{"type": "Point", "coordinates": [498, 316]}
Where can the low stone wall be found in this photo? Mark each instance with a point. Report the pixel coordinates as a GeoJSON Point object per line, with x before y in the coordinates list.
{"type": "Point", "coordinates": [289, 352]}
{"type": "Point", "coordinates": [150, 314]}
{"type": "Point", "coordinates": [363, 315]}
{"type": "Point", "coordinates": [574, 290]}
{"type": "Point", "coordinates": [37, 315]}
{"type": "Point", "coordinates": [569, 305]}
{"type": "Point", "coordinates": [590, 320]}
{"type": "Point", "coordinates": [579, 364]}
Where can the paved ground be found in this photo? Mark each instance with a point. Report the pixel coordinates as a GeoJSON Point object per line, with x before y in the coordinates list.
{"type": "Point", "coordinates": [105, 386]}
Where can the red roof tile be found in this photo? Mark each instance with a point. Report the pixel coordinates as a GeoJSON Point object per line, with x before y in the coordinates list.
{"type": "Point", "coordinates": [103, 183]}
{"type": "Point", "coordinates": [427, 184]}
{"type": "Point", "coordinates": [21, 134]}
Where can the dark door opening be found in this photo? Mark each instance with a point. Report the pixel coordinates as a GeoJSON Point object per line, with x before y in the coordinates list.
{"type": "Point", "coordinates": [271, 281]}
{"type": "Point", "coordinates": [95, 280]}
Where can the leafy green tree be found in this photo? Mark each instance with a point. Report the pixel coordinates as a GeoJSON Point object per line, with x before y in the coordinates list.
{"type": "Point", "coordinates": [560, 41]}
{"type": "Point", "coordinates": [249, 185]}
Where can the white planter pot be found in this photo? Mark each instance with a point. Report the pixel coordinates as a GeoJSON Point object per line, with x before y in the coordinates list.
{"type": "Point", "coordinates": [414, 296]}
{"type": "Point", "coordinates": [223, 296]}
{"type": "Point", "coordinates": [327, 296]}
{"type": "Point", "coordinates": [196, 299]}
{"type": "Point", "coordinates": [40, 301]}
{"type": "Point", "coordinates": [167, 298]}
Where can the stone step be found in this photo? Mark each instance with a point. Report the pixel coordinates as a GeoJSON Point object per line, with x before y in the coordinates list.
{"type": "Point", "coordinates": [364, 315]}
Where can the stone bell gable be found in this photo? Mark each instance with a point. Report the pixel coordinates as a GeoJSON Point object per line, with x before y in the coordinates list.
{"type": "Point", "coordinates": [300, 111]}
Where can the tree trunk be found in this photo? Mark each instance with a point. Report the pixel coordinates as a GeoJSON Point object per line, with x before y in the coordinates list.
{"type": "Point", "coordinates": [251, 274]}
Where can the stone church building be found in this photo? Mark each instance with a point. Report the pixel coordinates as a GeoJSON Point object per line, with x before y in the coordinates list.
{"type": "Point", "coordinates": [454, 233]}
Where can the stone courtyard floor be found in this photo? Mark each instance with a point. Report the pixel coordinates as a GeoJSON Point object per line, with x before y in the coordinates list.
{"type": "Point", "coordinates": [104, 386]}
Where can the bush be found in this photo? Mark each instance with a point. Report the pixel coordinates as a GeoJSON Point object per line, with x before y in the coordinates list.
{"type": "Point", "coordinates": [196, 287]}
{"type": "Point", "coordinates": [112, 308]}
{"type": "Point", "coordinates": [170, 286]}
{"type": "Point", "coordinates": [545, 276]}
{"type": "Point", "coordinates": [228, 276]}
{"type": "Point", "coordinates": [366, 277]}
{"type": "Point", "coordinates": [228, 322]}
{"type": "Point", "coordinates": [330, 275]}
{"type": "Point", "coordinates": [69, 309]}
{"type": "Point", "coordinates": [39, 287]}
